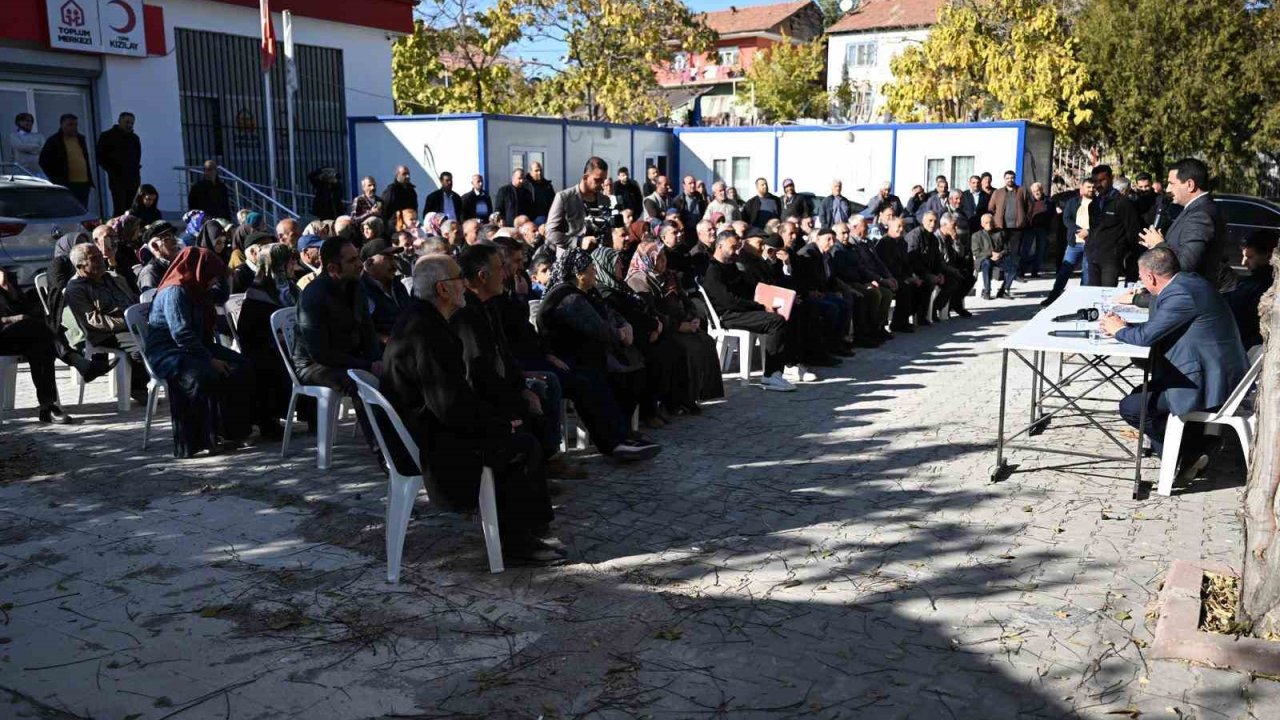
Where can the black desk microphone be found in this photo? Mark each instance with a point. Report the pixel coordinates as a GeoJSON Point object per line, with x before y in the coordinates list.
{"type": "Point", "coordinates": [1070, 333]}
{"type": "Point", "coordinates": [1081, 314]}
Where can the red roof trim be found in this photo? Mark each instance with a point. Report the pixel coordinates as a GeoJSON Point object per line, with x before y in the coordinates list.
{"type": "Point", "coordinates": [393, 15]}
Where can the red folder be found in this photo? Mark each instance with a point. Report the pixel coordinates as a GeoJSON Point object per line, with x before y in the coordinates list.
{"type": "Point", "coordinates": [776, 299]}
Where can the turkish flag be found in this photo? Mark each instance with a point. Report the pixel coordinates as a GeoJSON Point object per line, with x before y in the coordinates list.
{"type": "Point", "coordinates": [268, 37]}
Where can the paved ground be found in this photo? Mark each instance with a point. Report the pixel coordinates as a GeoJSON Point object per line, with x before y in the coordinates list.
{"type": "Point", "coordinates": [836, 552]}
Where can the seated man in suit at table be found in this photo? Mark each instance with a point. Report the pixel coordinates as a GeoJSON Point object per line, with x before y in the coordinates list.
{"type": "Point", "coordinates": [1197, 359]}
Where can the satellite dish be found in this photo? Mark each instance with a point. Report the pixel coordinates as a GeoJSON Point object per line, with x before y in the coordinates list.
{"type": "Point", "coordinates": [846, 5]}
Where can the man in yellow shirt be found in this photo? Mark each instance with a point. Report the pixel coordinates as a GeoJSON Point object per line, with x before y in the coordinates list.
{"type": "Point", "coordinates": [65, 159]}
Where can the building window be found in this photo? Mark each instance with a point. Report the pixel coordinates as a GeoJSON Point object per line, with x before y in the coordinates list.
{"type": "Point", "coordinates": [680, 61]}
{"type": "Point", "coordinates": [933, 167]}
{"type": "Point", "coordinates": [719, 171]}
{"type": "Point", "coordinates": [734, 173]}
{"type": "Point", "coordinates": [961, 170]}
{"type": "Point", "coordinates": [861, 54]}
{"type": "Point", "coordinates": [729, 56]}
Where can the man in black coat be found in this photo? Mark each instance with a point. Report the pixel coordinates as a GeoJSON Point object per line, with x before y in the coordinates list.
{"type": "Point", "coordinates": [444, 199]}
{"type": "Point", "coordinates": [512, 200]}
{"type": "Point", "coordinates": [458, 431]}
{"type": "Point", "coordinates": [794, 205]}
{"type": "Point", "coordinates": [854, 261]}
{"type": "Point", "coordinates": [913, 293]}
{"type": "Point", "coordinates": [762, 207]}
{"type": "Point", "coordinates": [1113, 230]}
{"type": "Point", "coordinates": [1198, 233]}
{"type": "Point", "coordinates": [120, 155]}
{"type": "Point", "coordinates": [65, 159]}
{"type": "Point", "coordinates": [628, 193]}
{"type": "Point", "coordinates": [691, 206]}
{"type": "Point", "coordinates": [928, 262]}
{"type": "Point", "coordinates": [884, 199]}
{"type": "Point", "coordinates": [398, 195]}
{"type": "Point", "coordinates": [210, 194]}
{"type": "Point", "coordinates": [541, 193]}
{"type": "Point", "coordinates": [974, 203]}
{"type": "Point", "coordinates": [476, 204]}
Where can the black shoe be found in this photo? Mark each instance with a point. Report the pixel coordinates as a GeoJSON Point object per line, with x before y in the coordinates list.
{"type": "Point", "coordinates": [96, 367]}
{"type": "Point", "coordinates": [847, 352]}
{"type": "Point", "coordinates": [986, 294]}
{"type": "Point", "coordinates": [963, 313]}
{"type": "Point", "coordinates": [1048, 301]}
{"type": "Point", "coordinates": [55, 415]}
{"type": "Point", "coordinates": [923, 322]}
{"type": "Point", "coordinates": [633, 451]}
{"type": "Point", "coordinates": [1008, 294]}
{"type": "Point", "coordinates": [530, 551]}
{"type": "Point", "coordinates": [884, 335]}
{"type": "Point", "coordinates": [692, 409]}
{"type": "Point", "coordinates": [902, 328]}
{"type": "Point", "coordinates": [139, 395]}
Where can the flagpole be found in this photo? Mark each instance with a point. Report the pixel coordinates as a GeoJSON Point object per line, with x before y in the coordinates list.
{"type": "Point", "coordinates": [290, 86]}
{"type": "Point", "coordinates": [268, 38]}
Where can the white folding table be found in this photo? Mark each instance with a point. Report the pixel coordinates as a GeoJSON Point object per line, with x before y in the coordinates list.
{"type": "Point", "coordinates": [1032, 343]}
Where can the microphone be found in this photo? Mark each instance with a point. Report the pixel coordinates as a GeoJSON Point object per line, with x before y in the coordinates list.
{"type": "Point", "coordinates": [1081, 314]}
{"type": "Point", "coordinates": [1070, 333]}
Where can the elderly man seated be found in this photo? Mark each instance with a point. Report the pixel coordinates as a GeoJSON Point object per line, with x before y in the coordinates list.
{"type": "Point", "coordinates": [387, 295]}
{"type": "Point", "coordinates": [94, 305]}
{"type": "Point", "coordinates": [458, 431]}
{"type": "Point", "coordinates": [308, 260]}
{"type": "Point", "coordinates": [23, 332]}
{"type": "Point", "coordinates": [162, 240]}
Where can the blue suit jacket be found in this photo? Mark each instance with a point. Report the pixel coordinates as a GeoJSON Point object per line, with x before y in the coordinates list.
{"type": "Point", "coordinates": [1197, 358]}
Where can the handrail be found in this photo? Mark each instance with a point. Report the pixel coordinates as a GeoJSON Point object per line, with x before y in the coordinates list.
{"type": "Point", "coordinates": [269, 205]}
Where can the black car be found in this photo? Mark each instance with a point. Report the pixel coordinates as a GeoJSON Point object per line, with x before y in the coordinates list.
{"type": "Point", "coordinates": [1245, 214]}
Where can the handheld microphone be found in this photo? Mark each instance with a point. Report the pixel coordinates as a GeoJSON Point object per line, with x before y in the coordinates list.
{"type": "Point", "coordinates": [1081, 314]}
{"type": "Point", "coordinates": [1070, 333]}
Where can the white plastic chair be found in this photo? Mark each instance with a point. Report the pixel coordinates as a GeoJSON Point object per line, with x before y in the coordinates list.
{"type": "Point", "coordinates": [44, 286]}
{"type": "Point", "coordinates": [328, 401]}
{"type": "Point", "coordinates": [1226, 415]}
{"type": "Point", "coordinates": [403, 489]}
{"type": "Point", "coordinates": [135, 318]}
{"type": "Point", "coordinates": [121, 375]}
{"type": "Point", "coordinates": [8, 383]}
{"type": "Point", "coordinates": [745, 339]}
{"type": "Point", "coordinates": [408, 284]}
{"type": "Point", "coordinates": [232, 309]}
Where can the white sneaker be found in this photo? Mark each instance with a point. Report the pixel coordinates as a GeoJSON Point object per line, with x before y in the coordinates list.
{"type": "Point", "coordinates": [800, 373]}
{"type": "Point", "coordinates": [777, 383]}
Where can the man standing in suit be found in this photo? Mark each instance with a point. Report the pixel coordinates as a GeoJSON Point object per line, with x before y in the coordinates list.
{"type": "Point", "coordinates": [444, 200]}
{"type": "Point", "coordinates": [1010, 207]}
{"type": "Point", "coordinates": [1113, 230]}
{"type": "Point", "coordinates": [476, 204]}
{"type": "Point", "coordinates": [1196, 360]}
{"type": "Point", "coordinates": [975, 203]}
{"type": "Point", "coordinates": [835, 208]}
{"type": "Point", "coordinates": [120, 155]}
{"type": "Point", "coordinates": [1197, 235]}
{"type": "Point", "coordinates": [512, 200]}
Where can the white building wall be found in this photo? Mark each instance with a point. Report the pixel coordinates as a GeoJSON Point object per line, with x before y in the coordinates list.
{"type": "Point", "coordinates": [611, 144]}
{"type": "Point", "coordinates": [888, 45]}
{"type": "Point", "coordinates": [858, 158]}
{"type": "Point", "coordinates": [699, 150]}
{"type": "Point", "coordinates": [427, 146]}
{"type": "Point", "coordinates": [148, 87]}
{"type": "Point", "coordinates": [649, 143]}
{"type": "Point", "coordinates": [504, 137]}
{"type": "Point", "coordinates": [993, 150]}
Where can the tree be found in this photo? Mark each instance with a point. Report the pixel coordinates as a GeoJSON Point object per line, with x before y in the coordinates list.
{"type": "Point", "coordinates": [1260, 582]}
{"type": "Point", "coordinates": [842, 98]}
{"type": "Point", "coordinates": [1003, 59]}
{"type": "Point", "coordinates": [612, 47]}
{"type": "Point", "coordinates": [1202, 95]}
{"type": "Point", "coordinates": [454, 63]}
{"type": "Point", "coordinates": [785, 81]}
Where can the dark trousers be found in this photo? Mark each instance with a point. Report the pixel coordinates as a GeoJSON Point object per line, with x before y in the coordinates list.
{"type": "Point", "coordinates": [207, 406]}
{"type": "Point", "coordinates": [597, 406]}
{"type": "Point", "coordinates": [1007, 265]}
{"type": "Point", "coordinates": [1035, 245]}
{"type": "Point", "coordinates": [911, 300]}
{"type": "Point", "coordinates": [879, 303]}
{"type": "Point", "coordinates": [1103, 272]}
{"type": "Point", "coordinates": [1157, 415]}
{"type": "Point", "coordinates": [773, 328]}
{"type": "Point", "coordinates": [123, 190]}
{"type": "Point", "coordinates": [81, 192]}
{"type": "Point", "coordinates": [1012, 245]}
{"type": "Point", "coordinates": [551, 395]}
{"type": "Point", "coordinates": [33, 340]}
{"type": "Point", "coordinates": [520, 485]}
{"type": "Point", "coordinates": [138, 376]}
{"type": "Point", "coordinates": [959, 283]}
{"type": "Point", "coordinates": [337, 378]}
{"type": "Point", "coordinates": [834, 317]}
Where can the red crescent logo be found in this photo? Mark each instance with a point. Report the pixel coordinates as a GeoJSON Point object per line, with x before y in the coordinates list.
{"type": "Point", "coordinates": [131, 23]}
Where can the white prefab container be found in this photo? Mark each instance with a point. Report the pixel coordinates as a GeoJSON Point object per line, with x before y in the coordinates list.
{"type": "Point", "coordinates": [495, 145]}
{"type": "Point", "coordinates": [864, 156]}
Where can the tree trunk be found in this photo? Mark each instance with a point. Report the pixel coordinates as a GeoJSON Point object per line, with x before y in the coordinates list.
{"type": "Point", "coordinates": [1260, 591]}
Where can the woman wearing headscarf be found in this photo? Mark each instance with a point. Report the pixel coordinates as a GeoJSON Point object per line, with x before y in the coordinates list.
{"type": "Point", "coordinates": [146, 204]}
{"type": "Point", "coordinates": [697, 377]}
{"type": "Point", "coordinates": [272, 288]}
{"type": "Point", "coordinates": [209, 386]}
{"type": "Point", "coordinates": [431, 223]}
{"type": "Point", "coordinates": [578, 327]}
{"type": "Point", "coordinates": [238, 240]}
{"type": "Point", "coordinates": [658, 361]}
{"type": "Point", "coordinates": [194, 221]}
{"type": "Point", "coordinates": [213, 237]}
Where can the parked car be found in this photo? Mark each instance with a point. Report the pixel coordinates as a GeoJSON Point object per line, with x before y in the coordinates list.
{"type": "Point", "coordinates": [34, 213]}
{"type": "Point", "coordinates": [1245, 214]}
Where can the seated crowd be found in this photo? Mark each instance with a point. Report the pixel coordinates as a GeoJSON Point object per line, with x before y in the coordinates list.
{"type": "Point", "coordinates": [485, 318]}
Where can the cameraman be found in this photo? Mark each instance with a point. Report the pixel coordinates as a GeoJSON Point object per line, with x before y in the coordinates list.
{"type": "Point", "coordinates": [573, 207]}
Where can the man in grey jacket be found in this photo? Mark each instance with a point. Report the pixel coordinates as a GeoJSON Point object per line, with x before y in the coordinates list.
{"type": "Point", "coordinates": [1199, 231]}
{"type": "Point", "coordinates": [567, 221]}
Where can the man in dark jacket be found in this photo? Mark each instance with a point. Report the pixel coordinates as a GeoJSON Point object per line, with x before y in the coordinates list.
{"type": "Point", "coordinates": [924, 253]}
{"type": "Point", "coordinates": [1246, 296]}
{"type": "Point", "coordinates": [444, 199]}
{"type": "Point", "coordinates": [476, 204]}
{"type": "Point", "coordinates": [1197, 359]}
{"type": "Point", "coordinates": [210, 194]}
{"type": "Point", "coordinates": [512, 200]}
{"type": "Point", "coordinates": [854, 261]}
{"type": "Point", "coordinates": [398, 195]}
{"type": "Point", "coordinates": [120, 155]}
{"type": "Point", "coordinates": [1010, 207]}
{"type": "Point", "coordinates": [335, 331]}
{"type": "Point", "coordinates": [835, 208]}
{"type": "Point", "coordinates": [459, 432]}
{"type": "Point", "coordinates": [541, 192]}
{"type": "Point", "coordinates": [628, 193]}
{"type": "Point", "coordinates": [794, 205]}
{"type": "Point", "coordinates": [763, 207]}
{"type": "Point", "coordinates": [1113, 229]}
{"type": "Point", "coordinates": [1198, 234]}
{"type": "Point", "coordinates": [884, 199]}
{"type": "Point", "coordinates": [327, 201]}
{"type": "Point", "coordinates": [691, 206]}
{"type": "Point", "coordinates": [974, 203]}
{"type": "Point", "coordinates": [65, 159]}
{"type": "Point", "coordinates": [913, 294]}
{"type": "Point", "coordinates": [387, 295]}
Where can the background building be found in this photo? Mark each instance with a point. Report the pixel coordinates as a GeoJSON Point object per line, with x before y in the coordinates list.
{"type": "Point", "coordinates": [190, 71]}
{"type": "Point", "coordinates": [862, 43]}
{"type": "Point", "coordinates": [744, 33]}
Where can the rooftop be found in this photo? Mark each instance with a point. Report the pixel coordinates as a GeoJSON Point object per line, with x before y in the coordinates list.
{"type": "Point", "coordinates": [887, 14]}
{"type": "Point", "coordinates": [758, 18]}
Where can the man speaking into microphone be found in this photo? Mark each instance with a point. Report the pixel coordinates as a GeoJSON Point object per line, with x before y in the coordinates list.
{"type": "Point", "coordinates": [1196, 355]}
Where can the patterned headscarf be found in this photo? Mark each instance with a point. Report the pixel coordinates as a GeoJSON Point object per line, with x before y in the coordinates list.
{"type": "Point", "coordinates": [127, 228]}
{"type": "Point", "coordinates": [606, 262]}
{"type": "Point", "coordinates": [273, 269]}
{"type": "Point", "coordinates": [644, 263]}
{"type": "Point", "coordinates": [572, 263]}
{"type": "Point", "coordinates": [431, 223]}
{"type": "Point", "coordinates": [195, 221]}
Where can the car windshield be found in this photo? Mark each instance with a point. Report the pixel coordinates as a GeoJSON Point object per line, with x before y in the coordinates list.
{"type": "Point", "coordinates": [30, 203]}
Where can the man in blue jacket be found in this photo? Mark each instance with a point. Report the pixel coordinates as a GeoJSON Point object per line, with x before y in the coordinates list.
{"type": "Point", "coordinates": [1197, 359]}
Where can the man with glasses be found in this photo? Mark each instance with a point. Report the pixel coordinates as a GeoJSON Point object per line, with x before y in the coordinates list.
{"type": "Point", "coordinates": [162, 241]}
{"type": "Point", "coordinates": [335, 331]}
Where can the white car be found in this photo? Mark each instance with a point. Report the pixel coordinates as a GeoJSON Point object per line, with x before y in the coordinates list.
{"type": "Point", "coordinates": [34, 213]}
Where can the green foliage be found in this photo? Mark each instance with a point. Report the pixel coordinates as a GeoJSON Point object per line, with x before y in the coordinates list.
{"type": "Point", "coordinates": [1000, 59]}
{"type": "Point", "coordinates": [613, 47]}
{"type": "Point", "coordinates": [1195, 77]}
{"type": "Point", "coordinates": [785, 81]}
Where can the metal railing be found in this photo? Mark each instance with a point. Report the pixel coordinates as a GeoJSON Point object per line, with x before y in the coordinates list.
{"type": "Point", "coordinates": [12, 169]}
{"type": "Point", "coordinates": [243, 194]}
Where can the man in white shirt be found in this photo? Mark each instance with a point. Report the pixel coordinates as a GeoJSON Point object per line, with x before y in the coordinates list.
{"type": "Point", "coordinates": [25, 144]}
